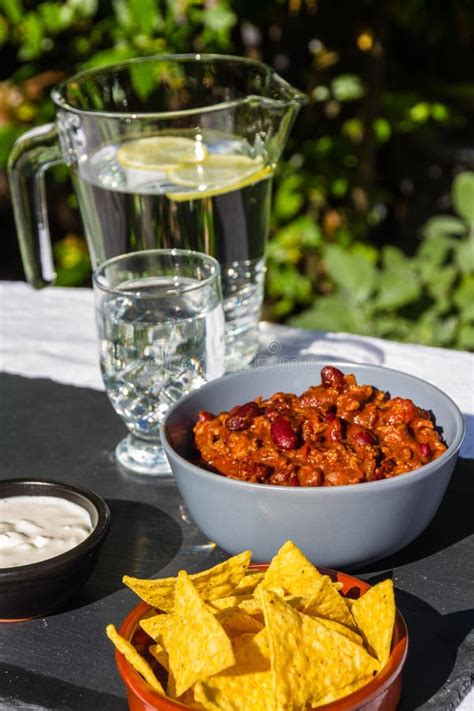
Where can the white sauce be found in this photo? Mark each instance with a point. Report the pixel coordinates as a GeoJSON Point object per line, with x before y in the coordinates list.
{"type": "Point", "coordinates": [34, 528]}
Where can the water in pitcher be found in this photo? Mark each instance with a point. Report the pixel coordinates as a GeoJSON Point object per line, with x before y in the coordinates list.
{"type": "Point", "coordinates": [159, 347]}
{"type": "Point", "coordinates": [206, 192]}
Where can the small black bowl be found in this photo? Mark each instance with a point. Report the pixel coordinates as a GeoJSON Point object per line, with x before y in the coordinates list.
{"type": "Point", "coordinates": [36, 589]}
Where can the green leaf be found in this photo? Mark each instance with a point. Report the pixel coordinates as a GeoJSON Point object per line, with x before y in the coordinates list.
{"type": "Point", "coordinates": [463, 195]}
{"type": "Point", "coordinates": [396, 290]}
{"type": "Point", "coordinates": [464, 298]}
{"type": "Point", "coordinates": [8, 135]}
{"type": "Point", "coordinates": [465, 256]}
{"type": "Point", "coordinates": [51, 15]}
{"type": "Point", "coordinates": [219, 18]}
{"type": "Point", "coordinates": [13, 9]}
{"type": "Point", "coordinates": [289, 197]}
{"type": "Point", "coordinates": [466, 337]}
{"type": "Point", "coordinates": [442, 279]}
{"type": "Point", "coordinates": [145, 13]}
{"type": "Point", "coordinates": [109, 56]}
{"type": "Point", "coordinates": [347, 87]}
{"type": "Point", "coordinates": [442, 225]}
{"type": "Point", "coordinates": [32, 30]}
{"type": "Point", "coordinates": [353, 273]}
{"type": "Point", "coordinates": [394, 259]}
{"type": "Point", "coordinates": [329, 313]}
{"type": "Point", "coordinates": [142, 75]}
{"type": "Point", "coordinates": [434, 249]}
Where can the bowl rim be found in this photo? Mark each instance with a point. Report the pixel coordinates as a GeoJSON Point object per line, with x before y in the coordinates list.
{"type": "Point", "coordinates": [30, 571]}
{"type": "Point", "coordinates": [383, 679]}
{"type": "Point", "coordinates": [402, 480]}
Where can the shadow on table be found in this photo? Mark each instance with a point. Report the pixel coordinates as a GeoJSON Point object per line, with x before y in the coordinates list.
{"type": "Point", "coordinates": [319, 346]}
{"type": "Point", "coordinates": [37, 691]}
{"type": "Point", "coordinates": [453, 522]}
{"type": "Point", "coordinates": [434, 640]}
{"type": "Point", "coordinates": [142, 540]}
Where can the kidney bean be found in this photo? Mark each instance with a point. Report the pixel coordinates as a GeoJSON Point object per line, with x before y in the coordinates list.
{"type": "Point", "coordinates": [283, 434]}
{"type": "Point", "coordinates": [205, 416]}
{"type": "Point", "coordinates": [271, 414]}
{"type": "Point", "coordinates": [425, 450]}
{"type": "Point", "coordinates": [361, 436]}
{"type": "Point", "coordinates": [334, 430]}
{"type": "Point", "coordinates": [242, 416]}
{"type": "Point", "coordinates": [293, 481]}
{"type": "Point", "coordinates": [332, 378]}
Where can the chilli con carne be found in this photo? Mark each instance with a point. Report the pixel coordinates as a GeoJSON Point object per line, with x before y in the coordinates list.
{"type": "Point", "coordinates": [338, 432]}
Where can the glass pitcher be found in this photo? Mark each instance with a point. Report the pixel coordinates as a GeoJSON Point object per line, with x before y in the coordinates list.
{"type": "Point", "coordinates": [168, 151]}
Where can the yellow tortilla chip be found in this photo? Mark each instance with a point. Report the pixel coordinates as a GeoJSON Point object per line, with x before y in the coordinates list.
{"type": "Point", "coordinates": [159, 628]}
{"type": "Point", "coordinates": [246, 686]}
{"type": "Point", "coordinates": [249, 582]}
{"type": "Point", "coordinates": [235, 621]}
{"type": "Point", "coordinates": [219, 581]}
{"type": "Point", "coordinates": [198, 647]}
{"type": "Point", "coordinates": [345, 691]}
{"type": "Point", "coordinates": [134, 658]}
{"type": "Point", "coordinates": [330, 604]}
{"type": "Point", "coordinates": [157, 651]}
{"type": "Point", "coordinates": [341, 629]}
{"type": "Point", "coordinates": [374, 613]}
{"type": "Point", "coordinates": [308, 659]}
{"type": "Point", "coordinates": [293, 572]}
{"type": "Point", "coordinates": [223, 603]}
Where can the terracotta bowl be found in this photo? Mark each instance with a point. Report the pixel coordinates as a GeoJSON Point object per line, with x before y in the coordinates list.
{"type": "Point", "coordinates": [380, 694]}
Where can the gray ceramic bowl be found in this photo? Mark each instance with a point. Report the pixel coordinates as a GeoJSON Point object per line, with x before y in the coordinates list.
{"type": "Point", "coordinates": [338, 526]}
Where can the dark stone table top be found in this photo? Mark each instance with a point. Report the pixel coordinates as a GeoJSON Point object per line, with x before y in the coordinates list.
{"type": "Point", "coordinates": [65, 663]}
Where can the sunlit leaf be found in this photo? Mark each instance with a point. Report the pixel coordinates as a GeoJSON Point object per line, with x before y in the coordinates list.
{"type": "Point", "coordinates": [32, 30]}
{"type": "Point", "coordinates": [353, 273]}
{"type": "Point", "coordinates": [444, 225]}
{"type": "Point", "coordinates": [396, 290]}
{"type": "Point", "coordinates": [145, 13]}
{"type": "Point", "coordinates": [142, 75]}
{"type": "Point", "coordinates": [463, 195]}
{"type": "Point", "coordinates": [13, 9]}
{"type": "Point", "coordinates": [329, 313]}
{"type": "Point", "coordinates": [464, 297]}
{"type": "Point", "coordinates": [466, 337]}
{"type": "Point", "coordinates": [347, 87]}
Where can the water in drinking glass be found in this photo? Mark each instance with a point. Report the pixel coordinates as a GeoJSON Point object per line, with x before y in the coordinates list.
{"type": "Point", "coordinates": [161, 335]}
{"type": "Point", "coordinates": [153, 351]}
{"type": "Point", "coordinates": [206, 192]}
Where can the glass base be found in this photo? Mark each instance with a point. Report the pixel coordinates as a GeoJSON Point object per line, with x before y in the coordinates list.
{"type": "Point", "coordinates": [142, 457]}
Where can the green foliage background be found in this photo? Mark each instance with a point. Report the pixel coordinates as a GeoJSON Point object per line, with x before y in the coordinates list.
{"type": "Point", "coordinates": [357, 240]}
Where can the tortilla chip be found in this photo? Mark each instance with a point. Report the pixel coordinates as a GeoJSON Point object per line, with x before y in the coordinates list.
{"type": "Point", "coordinates": [157, 651]}
{"type": "Point", "coordinates": [341, 629]}
{"type": "Point", "coordinates": [249, 582]}
{"type": "Point", "coordinates": [293, 572]}
{"type": "Point", "coordinates": [374, 613]}
{"type": "Point", "coordinates": [308, 659]}
{"type": "Point", "coordinates": [246, 686]}
{"type": "Point", "coordinates": [235, 621]}
{"type": "Point", "coordinates": [330, 604]}
{"type": "Point", "coordinates": [134, 658]}
{"type": "Point", "coordinates": [198, 647]}
{"type": "Point", "coordinates": [159, 628]}
{"type": "Point", "coordinates": [345, 691]}
{"type": "Point", "coordinates": [219, 581]}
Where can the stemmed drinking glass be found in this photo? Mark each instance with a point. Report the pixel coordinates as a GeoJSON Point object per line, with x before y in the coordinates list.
{"type": "Point", "coordinates": [161, 334]}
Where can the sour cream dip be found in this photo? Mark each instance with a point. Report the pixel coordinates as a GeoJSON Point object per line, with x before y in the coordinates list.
{"type": "Point", "coordinates": [35, 528]}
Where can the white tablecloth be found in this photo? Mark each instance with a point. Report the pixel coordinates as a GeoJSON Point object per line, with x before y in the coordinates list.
{"type": "Point", "coordinates": [51, 334]}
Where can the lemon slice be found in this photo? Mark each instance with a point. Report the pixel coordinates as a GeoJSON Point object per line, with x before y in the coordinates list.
{"type": "Point", "coordinates": [160, 152]}
{"type": "Point", "coordinates": [216, 174]}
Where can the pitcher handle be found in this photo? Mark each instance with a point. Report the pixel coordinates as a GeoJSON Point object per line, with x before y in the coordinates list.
{"type": "Point", "coordinates": [33, 153]}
